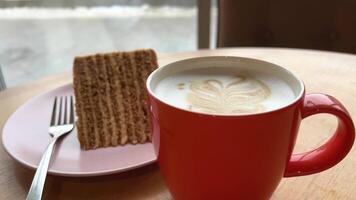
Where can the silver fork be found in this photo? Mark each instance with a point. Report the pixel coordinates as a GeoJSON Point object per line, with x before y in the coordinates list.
{"type": "Point", "coordinates": [62, 122]}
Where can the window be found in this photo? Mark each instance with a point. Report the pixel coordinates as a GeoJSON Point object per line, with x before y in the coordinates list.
{"type": "Point", "coordinates": [41, 37]}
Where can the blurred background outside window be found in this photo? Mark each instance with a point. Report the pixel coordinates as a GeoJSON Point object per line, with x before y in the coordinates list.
{"type": "Point", "coordinates": [41, 37]}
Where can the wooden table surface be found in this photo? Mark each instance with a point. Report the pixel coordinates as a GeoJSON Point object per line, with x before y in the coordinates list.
{"type": "Point", "coordinates": [326, 72]}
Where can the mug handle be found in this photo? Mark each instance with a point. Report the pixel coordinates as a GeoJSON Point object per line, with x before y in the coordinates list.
{"type": "Point", "coordinates": [335, 149]}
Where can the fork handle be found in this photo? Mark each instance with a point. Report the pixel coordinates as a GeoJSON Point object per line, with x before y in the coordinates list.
{"type": "Point", "coordinates": [39, 179]}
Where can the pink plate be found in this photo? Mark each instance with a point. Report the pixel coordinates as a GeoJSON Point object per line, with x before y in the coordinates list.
{"type": "Point", "coordinates": [25, 137]}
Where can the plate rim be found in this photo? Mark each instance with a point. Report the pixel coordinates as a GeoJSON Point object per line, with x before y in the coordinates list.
{"type": "Point", "coordinates": [61, 172]}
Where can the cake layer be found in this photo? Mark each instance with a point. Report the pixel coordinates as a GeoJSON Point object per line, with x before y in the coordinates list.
{"type": "Point", "coordinates": [110, 97]}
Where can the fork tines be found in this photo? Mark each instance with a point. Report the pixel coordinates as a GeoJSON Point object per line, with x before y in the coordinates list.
{"type": "Point", "coordinates": [62, 112]}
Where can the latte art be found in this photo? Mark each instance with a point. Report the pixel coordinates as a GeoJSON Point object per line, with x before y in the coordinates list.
{"type": "Point", "coordinates": [224, 91]}
{"type": "Point", "coordinates": [242, 94]}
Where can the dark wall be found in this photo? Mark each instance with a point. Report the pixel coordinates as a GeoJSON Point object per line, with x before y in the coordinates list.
{"type": "Point", "coordinates": [312, 24]}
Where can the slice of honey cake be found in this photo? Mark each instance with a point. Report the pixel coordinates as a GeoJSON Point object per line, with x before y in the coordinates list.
{"type": "Point", "coordinates": [110, 97]}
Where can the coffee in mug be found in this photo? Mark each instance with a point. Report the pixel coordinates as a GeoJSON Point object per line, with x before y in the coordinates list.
{"type": "Point", "coordinates": [225, 90]}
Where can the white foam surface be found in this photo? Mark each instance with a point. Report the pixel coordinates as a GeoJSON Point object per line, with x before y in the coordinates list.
{"type": "Point", "coordinates": [168, 91]}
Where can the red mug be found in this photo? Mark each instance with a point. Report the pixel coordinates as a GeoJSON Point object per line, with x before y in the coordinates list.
{"type": "Point", "coordinates": [207, 156]}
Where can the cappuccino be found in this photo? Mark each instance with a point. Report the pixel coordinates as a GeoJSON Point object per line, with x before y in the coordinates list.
{"type": "Point", "coordinates": [224, 90]}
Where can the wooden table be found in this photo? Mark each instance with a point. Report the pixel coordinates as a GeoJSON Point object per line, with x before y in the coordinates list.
{"type": "Point", "coordinates": [331, 73]}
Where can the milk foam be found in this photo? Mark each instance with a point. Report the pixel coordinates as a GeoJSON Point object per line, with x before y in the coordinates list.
{"type": "Point", "coordinates": [217, 90]}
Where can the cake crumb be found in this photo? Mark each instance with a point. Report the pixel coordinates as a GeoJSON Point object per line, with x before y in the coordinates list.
{"type": "Point", "coordinates": [181, 86]}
